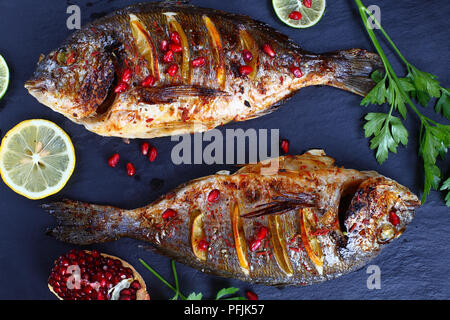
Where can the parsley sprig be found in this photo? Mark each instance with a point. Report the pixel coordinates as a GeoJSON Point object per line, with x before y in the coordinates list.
{"type": "Point", "coordinates": [221, 295]}
{"type": "Point", "coordinates": [387, 131]}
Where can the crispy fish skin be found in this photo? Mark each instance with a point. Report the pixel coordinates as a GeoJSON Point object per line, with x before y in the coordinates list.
{"type": "Point", "coordinates": [79, 78]}
{"type": "Point", "coordinates": [349, 222]}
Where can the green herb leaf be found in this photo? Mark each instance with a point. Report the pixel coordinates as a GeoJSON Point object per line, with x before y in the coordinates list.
{"type": "Point", "coordinates": [377, 76]}
{"type": "Point", "coordinates": [446, 186]}
{"type": "Point", "coordinates": [425, 82]}
{"type": "Point", "coordinates": [443, 104]}
{"type": "Point", "coordinates": [376, 96]}
{"type": "Point", "coordinates": [226, 291]}
{"type": "Point", "coordinates": [195, 296]}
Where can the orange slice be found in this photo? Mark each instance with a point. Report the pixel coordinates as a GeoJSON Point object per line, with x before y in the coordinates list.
{"type": "Point", "coordinates": [239, 237]}
{"type": "Point", "coordinates": [279, 244]}
{"type": "Point", "coordinates": [311, 242]}
{"type": "Point", "coordinates": [185, 66]}
{"type": "Point", "coordinates": [248, 43]}
{"type": "Point", "coordinates": [217, 50]}
{"type": "Point", "coordinates": [197, 235]}
{"type": "Point", "coordinates": [144, 44]}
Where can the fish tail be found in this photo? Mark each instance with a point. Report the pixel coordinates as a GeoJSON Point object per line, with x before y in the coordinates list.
{"type": "Point", "coordinates": [82, 223]}
{"type": "Point", "coordinates": [352, 70]}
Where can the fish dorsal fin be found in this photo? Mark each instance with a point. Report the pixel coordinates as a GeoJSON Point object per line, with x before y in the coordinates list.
{"type": "Point", "coordinates": [172, 93]}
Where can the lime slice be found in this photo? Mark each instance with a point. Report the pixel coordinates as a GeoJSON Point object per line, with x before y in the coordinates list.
{"type": "Point", "coordinates": [37, 158]}
{"type": "Point", "coordinates": [310, 16]}
{"type": "Point", "coordinates": [4, 76]}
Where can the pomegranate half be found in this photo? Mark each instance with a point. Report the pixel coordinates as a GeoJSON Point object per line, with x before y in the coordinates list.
{"type": "Point", "coordinates": [91, 275]}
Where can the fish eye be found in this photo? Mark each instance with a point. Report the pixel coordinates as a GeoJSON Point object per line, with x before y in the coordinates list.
{"type": "Point", "coordinates": [386, 233]}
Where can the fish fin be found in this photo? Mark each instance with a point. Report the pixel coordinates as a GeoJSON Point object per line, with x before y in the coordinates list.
{"type": "Point", "coordinates": [282, 204]}
{"type": "Point", "coordinates": [169, 94]}
{"type": "Point", "coordinates": [82, 223]}
{"type": "Point", "coordinates": [352, 69]}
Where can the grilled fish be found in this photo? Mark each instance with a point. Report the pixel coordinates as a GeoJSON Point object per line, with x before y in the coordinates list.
{"type": "Point", "coordinates": [169, 68]}
{"type": "Point", "coordinates": [308, 222]}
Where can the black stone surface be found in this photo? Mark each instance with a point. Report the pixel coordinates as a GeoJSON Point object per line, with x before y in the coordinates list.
{"type": "Point", "coordinates": [416, 266]}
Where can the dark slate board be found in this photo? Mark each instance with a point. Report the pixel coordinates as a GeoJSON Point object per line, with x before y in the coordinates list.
{"type": "Point", "coordinates": [414, 267]}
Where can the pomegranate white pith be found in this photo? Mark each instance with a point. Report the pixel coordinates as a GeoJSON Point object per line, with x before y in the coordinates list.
{"type": "Point", "coordinates": [98, 274]}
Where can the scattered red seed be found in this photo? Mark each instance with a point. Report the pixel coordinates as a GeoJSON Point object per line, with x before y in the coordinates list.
{"type": "Point", "coordinates": [307, 3]}
{"type": "Point", "coordinates": [285, 145]}
{"type": "Point", "coordinates": [247, 55]}
{"type": "Point", "coordinates": [71, 59]}
{"type": "Point", "coordinates": [267, 48]}
{"type": "Point", "coordinates": [149, 120]}
{"type": "Point", "coordinates": [112, 162]}
{"type": "Point", "coordinates": [121, 87]}
{"type": "Point", "coordinates": [153, 153]}
{"type": "Point", "coordinates": [393, 218]}
{"type": "Point", "coordinates": [295, 15]}
{"type": "Point", "coordinates": [175, 38]}
{"type": "Point", "coordinates": [172, 70]}
{"type": "Point", "coordinates": [251, 295]}
{"type": "Point", "coordinates": [169, 213]}
{"type": "Point", "coordinates": [168, 57]}
{"type": "Point", "coordinates": [131, 171]}
{"type": "Point", "coordinates": [254, 245]}
{"type": "Point", "coordinates": [321, 232]}
{"type": "Point", "coordinates": [296, 71]}
{"type": "Point", "coordinates": [148, 82]}
{"type": "Point", "coordinates": [213, 196]}
{"type": "Point", "coordinates": [145, 146]}
{"type": "Point", "coordinates": [199, 62]}
{"type": "Point", "coordinates": [203, 245]}
{"type": "Point", "coordinates": [126, 76]}
{"type": "Point", "coordinates": [164, 45]}
{"type": "Point", "coordinates": [175, 48]}
{"type": "Point", "coordinates": [262, 233]}
{"type": "Point", "coordinates": [245, 70]}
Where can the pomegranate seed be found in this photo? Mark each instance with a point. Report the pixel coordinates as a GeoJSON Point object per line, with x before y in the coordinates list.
{"type": "Point", "coordinates": [148, 82]}
{"type": "Point", "coordinates": [126, 76]}
{"type": "Point", "coordinates": [296, 71]}
{"type": "Point", "coordinates": [100, 296]}
{"type": "Point", "coordinates": [262, 233]}
{"type": "Point", "coordinates": [173, 69]}
{"type": "Point", "coordinates": [131, 171]}
{"type": "Point", "coordinates": [175, 48]}
{"type": "Point", "coordinates": [153, 153]}
{"type": "Point", "coordinates": [247, 55]}
{"type": "Point", "coordinates": [175, 38]}
{"type": "Point", "coordinates": [393, 218]}
{"type": "Point", "coordinates": [307, 3]}
{"type": "Point", "coordinates": [251, 295]}
{"type": "Point", "coordinates": [245, 70]}
{"type": "Point", "coordinates": [124, 297]}
{"type": "Point", "coordinates": [145, 146]}
{"type": "Point", "coordinates": [267, 48]}
{"type": "Point", "coordinates": [203, 245]}
{"type": "Point", "coordinates": [285, 145]}
{"type": "Point", "coordinates": [213, 196]}
{"type": "Point", "coordinates": [164, 45]}
{"type": "Point", "coordinates": [295, 15]}
{"type": "Point", "coordinates": [121, 87]}
{"type": "Point", "coordinates": [254, 245]}
{"type": "Point", "coordinates": [112, 162]}
{"type": "Point", "coordinates": [199, 62]}
{"type": "Point", "coordinates": [125, 292]}
{"type": "Point", "coordinates": [168, 57]}
{"type": "Point", "coordinates": [169, 213]}
{"type": "Point", "coordinates": [135, 285]}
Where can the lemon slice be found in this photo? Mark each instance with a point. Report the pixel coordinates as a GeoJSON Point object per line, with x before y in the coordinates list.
{"type": "Point", "coordinates": [310, 241]}
{"type": "Point", "coordinates": [197, 235]}
{"type": "Point", "coordinates": [37, 158]}
{"type": "Point", "coordinates": [4, 76]}
{"type": "Point", "coordinates": [310, 16]}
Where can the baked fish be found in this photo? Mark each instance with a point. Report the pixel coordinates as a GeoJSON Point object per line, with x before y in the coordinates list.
{"type": "Point", "coordinates": [307, 222]}
{"type": "Point", "coordinates": [158, 69]}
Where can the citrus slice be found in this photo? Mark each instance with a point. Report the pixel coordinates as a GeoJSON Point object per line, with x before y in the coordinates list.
{"type": "Point", "coordinates": [198, 235]}
{"type": "Point", "coordinates": [311, 241]}
{"type": "Point", "coordinates": [4, 76]}
{"type": "Point", "coordinates": [309, 16]}
{"type": "Point", "coordinates": [239, 237]}
{"type": "Point", "coordinates": [37, 158]}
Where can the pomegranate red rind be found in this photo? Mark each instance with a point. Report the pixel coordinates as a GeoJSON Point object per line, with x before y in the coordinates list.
{"type": "Point", "coordinates": [139, 286]}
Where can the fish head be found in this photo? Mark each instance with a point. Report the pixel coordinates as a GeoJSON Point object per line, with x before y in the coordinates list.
{"type": "Point", "coordinates": [75, 79]}
{"type": "Point", "coordinates": [379, 212]}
